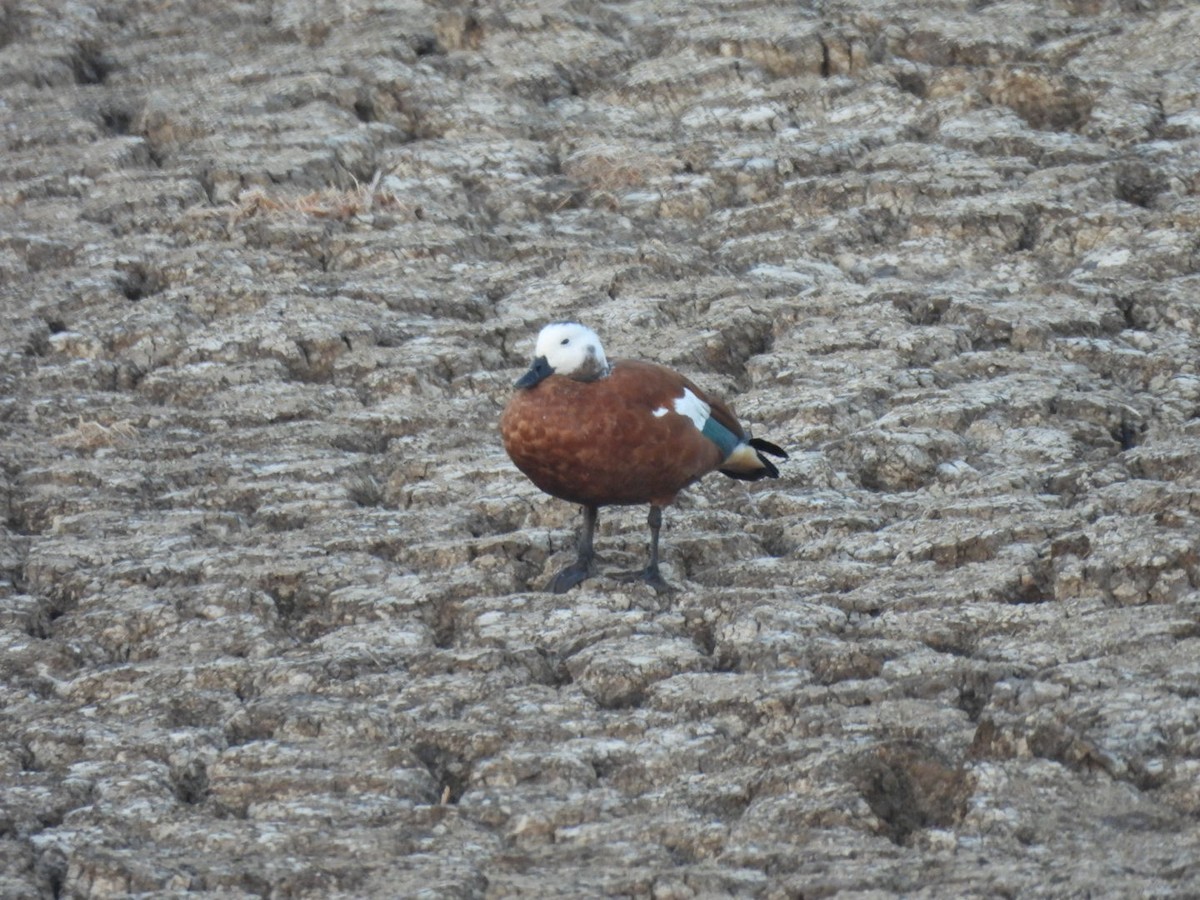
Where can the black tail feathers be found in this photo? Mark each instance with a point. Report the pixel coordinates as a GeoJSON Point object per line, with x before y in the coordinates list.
{"type": "Point", "coordinates": [768, 469]}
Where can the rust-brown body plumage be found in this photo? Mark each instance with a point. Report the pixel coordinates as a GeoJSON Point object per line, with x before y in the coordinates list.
{"type": "Point", "coordinates": [598, 443]}
{"type": "Point", "coordinates": [614, 435]}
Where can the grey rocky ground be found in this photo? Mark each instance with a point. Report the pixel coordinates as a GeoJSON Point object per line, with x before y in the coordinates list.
{"type": "Point", "coordinates": [269, 612]}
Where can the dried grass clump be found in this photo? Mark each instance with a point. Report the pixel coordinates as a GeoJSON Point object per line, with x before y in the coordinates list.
{"type": "Point", "coordinates": [93, 435]}
{"type": "Point", "coordinates": [340, 204]}
{"type": "Point", "coordinates": [609, 169]}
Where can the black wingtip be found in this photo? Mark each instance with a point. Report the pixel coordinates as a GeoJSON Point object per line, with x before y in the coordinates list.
{"type": "Point", "coordinates": [768, 447]}
{"type": "Point", "coordinates": [768, 470]}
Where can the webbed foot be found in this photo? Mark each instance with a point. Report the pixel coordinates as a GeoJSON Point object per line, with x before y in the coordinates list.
{"type": "Point", "coordinates": [652, 577]}
{"type": "Point", "coordinates": [569, 577]}
{"type": "Point", "coordinates": [582, 567]}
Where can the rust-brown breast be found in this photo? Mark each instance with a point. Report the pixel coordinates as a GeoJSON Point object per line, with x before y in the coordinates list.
{"type": "Point", "coordinates": [599, 443]}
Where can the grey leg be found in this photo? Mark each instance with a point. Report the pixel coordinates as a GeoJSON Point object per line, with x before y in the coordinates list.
{"type": "Point", "coordinates": [650, 574]}
{"type": "Point", "coordinates": [582, 567]}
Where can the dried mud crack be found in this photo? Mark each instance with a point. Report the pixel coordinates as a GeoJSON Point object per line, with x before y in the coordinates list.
{"type": "Point", "coordinates": [269, 618]}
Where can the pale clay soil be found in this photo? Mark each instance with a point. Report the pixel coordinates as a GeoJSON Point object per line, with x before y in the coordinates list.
{"type": "Point", "coordinates": [271, 618]}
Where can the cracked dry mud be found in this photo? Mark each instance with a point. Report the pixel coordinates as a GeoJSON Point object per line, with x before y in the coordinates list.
{"type": "Point", "coordinates": [269, 589]}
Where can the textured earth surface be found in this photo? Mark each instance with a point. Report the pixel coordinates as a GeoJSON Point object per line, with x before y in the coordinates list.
{"type": "Point", "coordinates": [270, 610]}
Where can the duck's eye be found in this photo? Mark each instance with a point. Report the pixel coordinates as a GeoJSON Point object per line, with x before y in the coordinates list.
{"type": "Point", "coordinates": [565, 341]}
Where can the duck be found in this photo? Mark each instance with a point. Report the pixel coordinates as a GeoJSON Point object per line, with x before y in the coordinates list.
{"type": "Point", "coordinates": [620, 433]}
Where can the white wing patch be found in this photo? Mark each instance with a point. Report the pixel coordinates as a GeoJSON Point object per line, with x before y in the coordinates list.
{"type": "Point", "coordinates": [659, 413]}
{"type": "Point", "coordinates": [693, 407]}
